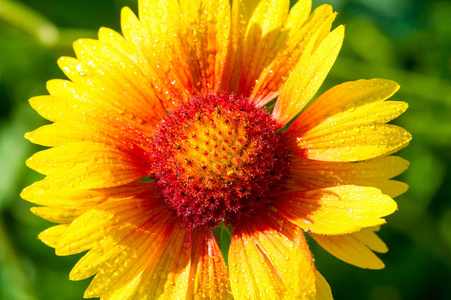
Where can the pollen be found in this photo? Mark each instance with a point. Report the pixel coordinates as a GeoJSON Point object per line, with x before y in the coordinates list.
{"type": "Point", "coordinates": [219, 158]}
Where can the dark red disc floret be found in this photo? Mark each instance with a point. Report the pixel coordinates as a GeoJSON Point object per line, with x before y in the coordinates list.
{"type": "Point", "coordinates": [219, 158]}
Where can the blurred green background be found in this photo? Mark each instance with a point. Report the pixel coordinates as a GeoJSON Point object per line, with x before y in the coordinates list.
{"type": "Point", "coordinates": [408, 41]}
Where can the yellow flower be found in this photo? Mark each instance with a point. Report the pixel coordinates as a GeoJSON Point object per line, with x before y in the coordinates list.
{"type": "Point", "coordinates": [169, 131]}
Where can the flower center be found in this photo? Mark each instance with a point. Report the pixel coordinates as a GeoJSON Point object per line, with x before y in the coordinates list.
{"type": "Point", "coordinates": [219, 158]}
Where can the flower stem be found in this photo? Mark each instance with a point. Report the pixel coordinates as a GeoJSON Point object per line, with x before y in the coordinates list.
{"type": "Point", "coordinates": [29, 21]}
{"type": "Point", "coordinates": [34, 24]}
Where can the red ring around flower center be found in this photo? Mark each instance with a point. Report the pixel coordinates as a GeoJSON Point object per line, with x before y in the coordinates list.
{"type": "Point", "coordinates": [219, 158]}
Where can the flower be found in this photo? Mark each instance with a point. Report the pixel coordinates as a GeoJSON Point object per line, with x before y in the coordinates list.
{"type": "Point", "coordinates": [169, 132]}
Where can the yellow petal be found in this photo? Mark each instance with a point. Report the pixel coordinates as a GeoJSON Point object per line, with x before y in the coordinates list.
{"type": "Point", "coordinates": [241, 13]}
{"type": "Point", "coordinates": [336, 210]}
{"type": "Point", "coordinates": [125, 237]}
{"type": "Point", "coordinates": [346, 123]}
{"type": "Point", "coordinates": [86, 165]}
{"type": "Point", "coordinates": [323, 291]}
{"type": "Point", "coordinates": [208, 275]}
{"type": "Point", "coordinates": [300, 36]}
{"type": "Point", "coordinates": [392, 188]}
{"type": "Point", "coordinates": [138, 249]}
{"type": "Point", "coordinates": [115, 218]}
{"type": "Point", "coordinates": [107, 73]}
{"type": "Point", "coordinates": [313, 174]}
{"type": "Point", "coordinates": [157, 57]}
{"type": "Point", "coordinates": [58, 215]}
{"type": "Point", "coordinates": [52, 236]}
{"type": "Point", "coordinates": [120, 253]}
{"type": "Point", "coordinates": [342, 172]}
{"type": "Point", "coordinates": [189, 266]}
{"type": "Point", "coordinates": [372, 113]}
{"type": "Point", "coordinates": [307, 77]}
{"type": "Point", "coordinates": [351, 100]}
{"type": "Point", "coordinates": [369, 237]}
{"type": "Point", "coordinates": [77, 120]}
{"type": "Point", "coordinates": [123, 291]}
{"type": "Point", "coordinates": [167, 276]}
{"type": "Point", "coordinates": [262, 40]}
{"type": "Point", "coordinates": [65, 204]}
{"type": "Point", "coordinates": [117, 41]}
{"type": "Point", "coordinates": [299, 14]}
{"type": "Point", "coordinates": [59, 134]}
{"type": "Point", "coordinates": [354, 248]}
{"type": "Point", "coordinates": [269, 259]}
{"type": "Point", "coordinates": [113, 80]}
{"type": "Point", "coordinates": [46, 193]}
{"type": "Point", "coordinates": [354, 144]}
{"type": "Point", "coordinates": [206, 34]}
{"type": "Point", "coordinates": [157, 39]}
